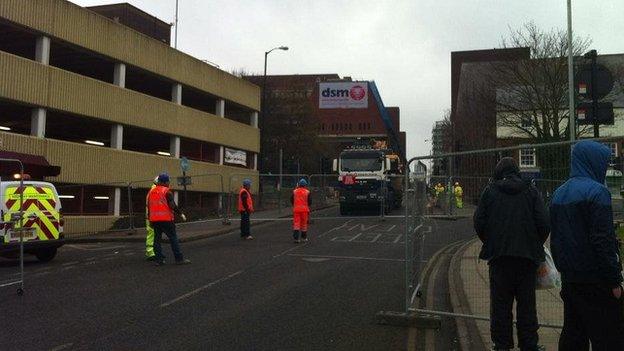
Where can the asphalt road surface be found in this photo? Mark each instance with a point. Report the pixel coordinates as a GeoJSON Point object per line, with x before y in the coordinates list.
{"type": "Point", "coordinates": [265, 294]}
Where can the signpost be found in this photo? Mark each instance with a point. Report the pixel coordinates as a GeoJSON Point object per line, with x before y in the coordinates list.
{"type": "Point", "coordinates": [185, 166]}
{"type": "Point", "coordinates": [594, 82]}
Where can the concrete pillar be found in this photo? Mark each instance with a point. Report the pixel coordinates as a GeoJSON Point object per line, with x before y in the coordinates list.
{"type": "Point", "coordinates": [174, 146]}
{"type": "Point", "coordinates": [255, 162]}
{"type": "Point", "coordinates": [176, 93]}
{"type": "Point", "coordinates": [253, 119]}
{"type": "Point", "coordinates": [117, 202]}
{"type": "Point", "coordinates": [220, 204]}
{"type": "Point", "coordinates": [38, 122]}
{"type": "Point", "coordinates": [176, 197]}
{"type": "Point", "coordinates": [221, 155]}
{"type": "Point", "coordinates": [119, 78]}
{"type": "Point", "coordinates": [42, 50]}
{"type": "Point", "coordinates": [117, 136]}
{"type": "Point", "coordinates": [220, 108]}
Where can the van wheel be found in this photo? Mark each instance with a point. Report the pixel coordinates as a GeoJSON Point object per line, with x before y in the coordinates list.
{"type": "Point", "coordinates": [46, 255]}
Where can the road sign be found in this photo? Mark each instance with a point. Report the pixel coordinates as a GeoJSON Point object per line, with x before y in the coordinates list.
{"type": "Point", "coordinates": [602, 114]}
{"type": "Point", "coordinates": [600, 86]}
{"type": "Point", "coordinates": [185, 164]}
{"type": "Point", "coordinates": [184, 181]}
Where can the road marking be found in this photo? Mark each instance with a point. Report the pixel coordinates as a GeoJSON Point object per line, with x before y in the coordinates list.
{"type": "Point", "coordinates": [391, 228]}
{"type": "Point", "coordinates": [82, 247]}
{"type": "Point", "coordinates": [62, 347]}
{"type": "Point", "coordinates": [69, 263]}
{"type": "Point", "coordinates": [355, 237]}
{"type": "Point", "coordinates": [350, 257]}
{"type": "Point", "coordinates": [376, 238]}
{"type": "Point", "coordinates": [336, 228]}
{"type": "Point", "coordinates": [316, 260]}
{"type": "Point", "coordinates": [193, 292]}
{"type": "Point", "coordinates": [40, 274]}
{"type": "Point", "coordinates": [398, 238]}
{"type": "Point", "coordinates": [10, 283]}
{"type": "Point", "coordinates": [289, 250]}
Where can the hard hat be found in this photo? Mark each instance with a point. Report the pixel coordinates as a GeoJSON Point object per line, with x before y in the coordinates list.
{"type": "Point", "coordinates": [303, 182]}
{"type": "Point", "coordinates": [163, 178]}
{"type": "Point", "coordinates": [155, 180]}
{"type": "Point", "coordinates": [247, 182]}
{"type": "Point", "coordinates": [456, 183]}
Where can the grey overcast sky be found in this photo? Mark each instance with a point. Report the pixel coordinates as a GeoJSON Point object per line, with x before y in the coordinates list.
{"type": "Point", "coordinates": [404, 46]}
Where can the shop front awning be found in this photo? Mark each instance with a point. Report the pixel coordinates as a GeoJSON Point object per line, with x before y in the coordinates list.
{"type": "Point", "coordinates": [34, 165]}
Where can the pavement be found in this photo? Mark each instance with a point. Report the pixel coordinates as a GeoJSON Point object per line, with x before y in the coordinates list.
{"type": "Point", "coordinates": [192, 231]}
{"type": "Point", "coordinates": [475, 294]}
{"type": "Point", "coordinates": [264, 294]}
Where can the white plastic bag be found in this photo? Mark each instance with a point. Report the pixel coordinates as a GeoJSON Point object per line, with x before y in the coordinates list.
{"type": "Point", "coordinates": [547, 275]}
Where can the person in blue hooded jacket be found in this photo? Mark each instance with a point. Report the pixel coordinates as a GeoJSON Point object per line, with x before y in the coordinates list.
{"type": "Point", "coordinates": [585, 251]}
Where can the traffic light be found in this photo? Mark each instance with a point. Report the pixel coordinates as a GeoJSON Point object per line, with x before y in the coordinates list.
{"type": "Point", "coordinates": [593, 83]}
{"type": "Point", "coordinates": [587, 113]}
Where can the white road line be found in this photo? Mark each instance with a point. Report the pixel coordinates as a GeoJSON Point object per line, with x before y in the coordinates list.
{"type": "Point", "coordinates": [193, 292]}
{"type": "Point", "coordinates": [376, 238]}
{"type": "Point", "coordinates": [351, 257]}
{"type": "Point", "coordinates": [81, 247]}
{"type": "Point", "coordinates": [398, 238]}
{"type": "Point", "coordinates": [10, 283]}
{"type": "Point", "coordinates": [289, 250]}
{"type": "Point", "coordinates": [391, 228]}
{"type": "Point", "coordinates": [355, 237]}
{"type": "Point", "coordinates": [319, 236]}
{"type": "Point", "coordinates": [336, 228]}
{"type": "Point", "coordinates": [62, 347]}
{"type": "Point", "coordinates": [42, 273]}
{"type": "Point", "coordinates": [69, 263]}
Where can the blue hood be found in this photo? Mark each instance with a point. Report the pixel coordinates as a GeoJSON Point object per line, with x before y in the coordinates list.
{"type": "Point", "coordinates": [590, 160]}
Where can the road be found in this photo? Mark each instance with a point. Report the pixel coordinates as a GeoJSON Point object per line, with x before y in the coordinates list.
{"type": "Point", "coordinates": [443, 240]}
{"type": "Point", "coordinates": [265, 294]}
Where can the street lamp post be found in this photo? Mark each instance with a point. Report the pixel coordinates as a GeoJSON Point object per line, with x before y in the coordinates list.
{"type": "Point", "coordinates": [572, 112]}
{"type": "Point", "coordinates": [263, 102]}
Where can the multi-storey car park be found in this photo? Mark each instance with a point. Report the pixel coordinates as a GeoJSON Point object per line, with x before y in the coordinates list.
{"type": "Point", "coordinates": [110, 104]}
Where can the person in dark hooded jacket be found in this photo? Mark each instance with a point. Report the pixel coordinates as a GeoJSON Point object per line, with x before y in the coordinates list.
{"type": "Point", "coordinates": [585, 251]}
{"type": "Point", "coordinates": [512, 222]}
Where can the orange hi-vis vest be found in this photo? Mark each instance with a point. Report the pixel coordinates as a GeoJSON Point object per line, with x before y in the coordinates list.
{"type": "Point", "coordinates": [159, 210]}
{"type": "Point", "coordinates": [241, 208]}
{"type": "Point", "coordinates": [300, 200]}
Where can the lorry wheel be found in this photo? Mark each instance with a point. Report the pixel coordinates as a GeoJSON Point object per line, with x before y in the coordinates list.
{"type": "Point", "coordinates": [46, 255]}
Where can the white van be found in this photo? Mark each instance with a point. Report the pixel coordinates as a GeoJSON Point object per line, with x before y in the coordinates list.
{"type": "Point", "coordinates": [42, 212]}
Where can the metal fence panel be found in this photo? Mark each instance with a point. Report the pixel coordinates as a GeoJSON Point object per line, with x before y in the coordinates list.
{"type": "Point", "coordinates": [439, 222]}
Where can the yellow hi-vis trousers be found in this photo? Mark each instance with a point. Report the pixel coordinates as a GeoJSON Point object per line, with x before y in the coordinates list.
{"type": "Point", "coordinates": [149, 240]}
{"type": "Point", "coordinates": [459, 201]}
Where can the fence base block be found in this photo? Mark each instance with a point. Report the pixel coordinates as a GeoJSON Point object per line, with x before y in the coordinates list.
{"type": "Point", "coordinates": [402, 319]}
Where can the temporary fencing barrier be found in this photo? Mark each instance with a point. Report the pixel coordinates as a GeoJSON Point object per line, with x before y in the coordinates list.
{"type": "Point", "coordinates": [16, 223]}
{"type": "Point", "coordinates": [94, 208]}
{"type": "Point", "coordinates": [439, 223]}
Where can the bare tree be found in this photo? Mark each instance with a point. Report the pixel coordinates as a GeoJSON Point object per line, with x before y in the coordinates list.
{"type": "Point", "coordinates": [290, 125]}
{"type": "Point", "coordinates": [531, 95]}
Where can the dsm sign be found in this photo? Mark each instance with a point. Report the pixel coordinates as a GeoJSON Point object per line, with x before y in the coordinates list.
{"type": "Point", "coordinates": [343, 95]}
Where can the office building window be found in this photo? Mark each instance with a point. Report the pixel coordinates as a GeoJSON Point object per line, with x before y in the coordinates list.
{"type": "Point", "coordinates": [527, 158]}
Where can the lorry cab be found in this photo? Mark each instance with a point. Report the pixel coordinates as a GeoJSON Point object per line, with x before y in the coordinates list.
{"type": "Point", "coordinates": [42, 212]}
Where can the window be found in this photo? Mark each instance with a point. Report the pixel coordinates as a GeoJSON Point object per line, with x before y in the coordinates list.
{"type": "Point", "coordinates": [527, 158]}
{"type": "Point", "coordinates": [614, 149]}
{"type": "Point", "coordinates": [526, 123]}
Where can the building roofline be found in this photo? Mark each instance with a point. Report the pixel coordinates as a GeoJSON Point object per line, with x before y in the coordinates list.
{"type": "Point", "coordinates": [134, 8]}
